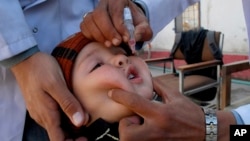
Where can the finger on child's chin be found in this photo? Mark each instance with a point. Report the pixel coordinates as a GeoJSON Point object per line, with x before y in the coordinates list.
{"type": "Point", "coordinates": [158, 87]}
{"type": "Point", "coordinates": [133, 101]}
{"type": "Point", "coordinates": [129, 121]}
{"type": "Point", "coordinates": [133, 119]}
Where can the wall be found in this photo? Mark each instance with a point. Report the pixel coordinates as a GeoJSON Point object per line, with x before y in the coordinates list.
{"type": "Point", "coordinates": [223, 15]}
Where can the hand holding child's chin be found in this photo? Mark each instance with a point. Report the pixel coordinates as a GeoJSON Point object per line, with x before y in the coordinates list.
{"type": "Point", "coordinates": [133, 119]}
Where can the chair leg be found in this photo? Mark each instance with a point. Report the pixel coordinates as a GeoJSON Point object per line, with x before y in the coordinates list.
{"type": "Point", "coordinates": [164, 67]}
{"type": "Point", "coordinates": [181, 82]}
{"type": "Point", "coordinates": [225, 98]}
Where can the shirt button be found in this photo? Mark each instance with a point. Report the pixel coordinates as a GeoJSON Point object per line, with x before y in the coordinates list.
{"type": "Point", "coordinates": [35, 30]}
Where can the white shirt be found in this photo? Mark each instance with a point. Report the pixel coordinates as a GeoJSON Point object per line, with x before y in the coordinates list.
{"type": "Point", "coordinates": [25, 23]}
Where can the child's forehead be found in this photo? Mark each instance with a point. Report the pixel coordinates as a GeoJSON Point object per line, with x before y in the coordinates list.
{"type": "Point", "coordinates": [96, 47]}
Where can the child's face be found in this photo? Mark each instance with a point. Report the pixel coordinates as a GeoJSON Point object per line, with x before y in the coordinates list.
{"type": "Point", "coordinates": [99, 69]}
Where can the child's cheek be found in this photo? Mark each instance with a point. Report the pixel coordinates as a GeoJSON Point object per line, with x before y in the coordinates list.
{"type": "Point", "coordinates": [110, 77]}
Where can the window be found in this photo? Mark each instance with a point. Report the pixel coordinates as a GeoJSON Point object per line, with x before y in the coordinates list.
{"type": "Point", "coordinates": [189, 19]}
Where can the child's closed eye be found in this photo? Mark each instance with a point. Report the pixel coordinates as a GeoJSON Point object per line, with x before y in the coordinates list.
{"type": "Point", "coordinates": [96, 66]}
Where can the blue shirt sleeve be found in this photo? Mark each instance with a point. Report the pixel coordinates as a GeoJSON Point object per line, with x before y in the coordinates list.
{"type": "Point", "coordinates": [238, 118]}
{"type": "Point", "coordinates": [244, 113]}
{"type": "Point", "coordinates": [19, 57]}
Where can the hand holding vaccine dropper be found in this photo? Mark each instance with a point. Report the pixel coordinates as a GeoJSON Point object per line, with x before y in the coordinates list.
{"type": "Point", "coordinates": [130, 26]}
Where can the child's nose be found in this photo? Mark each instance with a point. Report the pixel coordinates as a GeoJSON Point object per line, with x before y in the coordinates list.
{"type": "Point", "coordinates": [121, 60]}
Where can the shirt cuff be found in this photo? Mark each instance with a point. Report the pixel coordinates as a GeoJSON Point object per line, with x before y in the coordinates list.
{"type": "Point", "coordinates": [8, 63]}
{"type": "Point", "coordinates": [238, 118]}
{"type": "Point", "coordinates": [143, 7]}
{"type": "Point", "coordinates": [244, 113]}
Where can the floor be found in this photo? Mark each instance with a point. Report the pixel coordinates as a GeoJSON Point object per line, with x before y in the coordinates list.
{"type": "Point", "coordinates": [240, 90]}
{"type": "Point", "coordinates": [240, 95]}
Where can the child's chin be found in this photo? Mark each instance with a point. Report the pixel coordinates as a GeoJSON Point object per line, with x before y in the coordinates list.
{"type": "Point", "coordinates": [121, 116]}
{"type": "Point", "coordinates": [149, 96]}
{"type": "Point", "coordinates": [146, 93]}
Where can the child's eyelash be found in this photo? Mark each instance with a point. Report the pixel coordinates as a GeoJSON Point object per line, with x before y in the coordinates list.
{"type": "Point", "coordinates": [96, 66]}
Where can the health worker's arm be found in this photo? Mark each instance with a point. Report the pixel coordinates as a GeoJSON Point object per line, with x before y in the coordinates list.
{"type": "Point", "coordinates": [39, 76]}
{"type": "Point", "coordinates": [162, 12]}
{"type": "Point", "coordinates": [15, 35]}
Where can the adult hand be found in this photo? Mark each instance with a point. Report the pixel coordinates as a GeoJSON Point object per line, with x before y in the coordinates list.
{"type": "Point", "coordinates": [176, 118]}
{"type": "Point", "coordinates": [105, 24]}
{"type": "Point", "coordinates": [45, 92]}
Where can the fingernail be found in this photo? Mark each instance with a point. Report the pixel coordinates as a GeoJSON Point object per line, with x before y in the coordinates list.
{"type": "Point", "coordinates": [110, 93]}
{"type": "Point", "coordinates": [125, 38]}
{"type": "Point", "coordinates": [77, 118]}
{"type": "Point", "coordinates": [107, 43]}
{"type": "Point", "coordinates": [116, 41]}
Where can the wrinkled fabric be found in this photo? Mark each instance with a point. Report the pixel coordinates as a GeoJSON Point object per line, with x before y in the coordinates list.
{"type": "Point", "coordinates": [26, 23]}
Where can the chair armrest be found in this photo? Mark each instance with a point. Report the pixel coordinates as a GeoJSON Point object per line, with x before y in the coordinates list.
{"type": "Point", "coordinates": [197, 66]}
{"type": "Point", "coordinates": [226, 71]}
{"type": "Point", "coordinates": [236, 66]}
{"type": "Point", "coordinates": [158, 60]}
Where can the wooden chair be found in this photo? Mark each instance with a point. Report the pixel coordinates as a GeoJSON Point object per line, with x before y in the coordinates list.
{"type": "Point", "coordinates": [226, 72]}
{"type": "Point", "coordinates": [199, 87]}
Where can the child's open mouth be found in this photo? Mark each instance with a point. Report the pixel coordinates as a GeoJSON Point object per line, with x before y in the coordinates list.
{"type": "Point", "coordinates": [132, 74]}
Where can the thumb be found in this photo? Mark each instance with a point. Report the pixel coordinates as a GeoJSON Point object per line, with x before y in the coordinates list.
{"type": "Point", "coordinates": [143, 32]}
{"type": "Point", "coordinates": [55, 133]}
{"type": "Point", "coordinates": [128, 127]}
{"type": "Point", "coordinates": [70, 105]}
{"type": "Point", "coordinates": [131, 129]}
{"type": "Point", "coordinates": [130, 120]}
